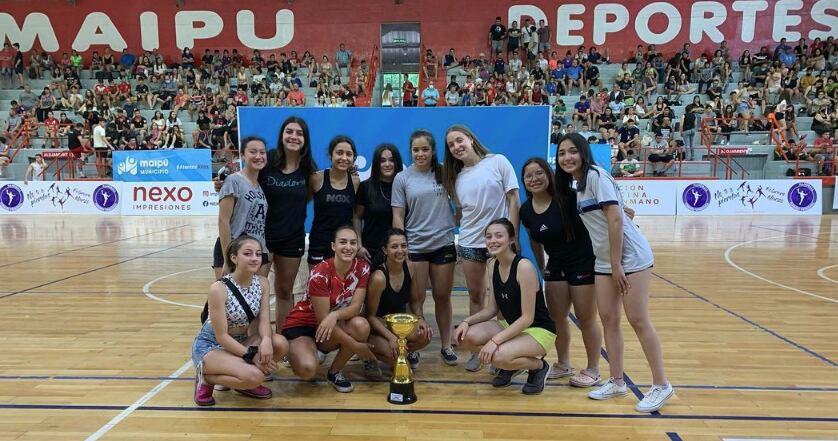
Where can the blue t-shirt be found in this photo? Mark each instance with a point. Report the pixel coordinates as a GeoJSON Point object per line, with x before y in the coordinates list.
{"type": "Point", "coordinates": [582, 106]}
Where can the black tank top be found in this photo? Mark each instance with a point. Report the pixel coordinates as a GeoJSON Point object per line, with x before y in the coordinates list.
{"type": "Point", "coordinates": [286, 195]}
{"type": "Point", "coordinates": [332, 208]}
{"type": "Point", "coordinates": [392, 302]}
{"type": "Point", "coordinates": [508, 298]}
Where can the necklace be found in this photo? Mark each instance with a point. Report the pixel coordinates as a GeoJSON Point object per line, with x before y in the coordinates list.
{"type": "Point", "coordinates": [381, 190]}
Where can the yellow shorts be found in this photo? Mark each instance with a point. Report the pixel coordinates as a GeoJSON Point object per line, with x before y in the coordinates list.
{"type": "Point", "coordinates": [544, 337]}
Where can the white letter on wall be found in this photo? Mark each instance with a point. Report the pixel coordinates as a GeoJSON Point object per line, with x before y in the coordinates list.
{"type": "Point", "coordinates": [98, 29]}
{"type": "Point", "coordinates": [749, 9]}
{"type": "Point", "coordinates": [149, 31]}
{"type": "Point", "coordinates": [246, 30]}
{"type": "Point", "coordinates": [673, 26]}
{"type": "Point", "coordinates": [820, 16]}
{"type": "Point", "coordinates": [185, 31]}
{"type": "Point", "coordinates": [35, 26]}
{"type": "Point", "coordinates": [517, 11]}
{"type": "Point", "coordinates": [782, 19]}
{"type": "Point", "coordinates": [602, 26]}
{"type": "Point", "coordinates": [565, 24]}
{"type": "Point", "coordinates": [700, 24]}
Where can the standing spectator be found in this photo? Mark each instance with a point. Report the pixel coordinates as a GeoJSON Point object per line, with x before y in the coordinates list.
{"type": "Point", "coordinates": [343, 59]}
{"type": "Point", "coordinates": [497, 33]}
{"type": "Point", "coordinates": [6, 64]}
{"type": "Point", "coordinates": [430, 65]}
{"type": "Point", "coordinates": [408, 92]}
{"type": "Point", "coordinates": [513, 38]}
{"type": "Point", "coordinates": [430, 96]}
{"type": "Point", "coordinates": [103, 149]}
{"type": "Point", "coordinates": [36, 170]}
{"type": "Point", "coordinates": [5, 158]}
{"type": "Point", "coordinates": [18, 64]}
{"type": "Point", "coordinates": [543, 32]}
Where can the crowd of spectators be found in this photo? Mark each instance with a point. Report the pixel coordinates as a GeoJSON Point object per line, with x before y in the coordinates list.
{"type": "Point", "coordinates": [204, 90]}
{"type": "Point", "coordinates": [699, 96]}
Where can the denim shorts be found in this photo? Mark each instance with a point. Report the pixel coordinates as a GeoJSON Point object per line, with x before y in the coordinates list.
{"type": "Point", "coordinates": [205, 342]}
{"type": "Point", "coordinates": [473, 254]}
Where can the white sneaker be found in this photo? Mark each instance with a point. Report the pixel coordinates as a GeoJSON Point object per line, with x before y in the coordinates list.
{"type": "Point", "coordinates": [610, 389]}
{"type": "Point", "coordinates": [286, 362]}
{"type": "Point", "coordinates": [655, 398]}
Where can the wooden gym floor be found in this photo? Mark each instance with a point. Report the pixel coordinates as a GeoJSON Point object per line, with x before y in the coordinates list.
{"type": "Point", "coordinates": [97, 316]}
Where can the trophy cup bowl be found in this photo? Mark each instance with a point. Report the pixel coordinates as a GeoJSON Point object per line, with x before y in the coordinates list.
{"type": "Point", "coordinates": [401, 385]}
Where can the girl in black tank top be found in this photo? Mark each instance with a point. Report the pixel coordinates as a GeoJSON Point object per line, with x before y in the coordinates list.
{"type": "Point", "coordinates": [521, 340]}
{"type": "Point", "coordinates": [332, 207]}
{"type": "Point", "coordinates": [390, 291]}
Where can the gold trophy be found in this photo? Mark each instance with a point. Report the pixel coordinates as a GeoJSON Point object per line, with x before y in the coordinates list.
{"type": "Point", "coordinates": [401, 385]}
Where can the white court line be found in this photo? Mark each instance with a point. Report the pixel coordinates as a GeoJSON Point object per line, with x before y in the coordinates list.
{"type": "Point", "coordinates": [790, 288]}
{"type": "Point", "coordinates": [147, 288]}
{"type": "Point", "coordinates": [142, 400]}
{"type": "Point", "coordinates": [822, 273]}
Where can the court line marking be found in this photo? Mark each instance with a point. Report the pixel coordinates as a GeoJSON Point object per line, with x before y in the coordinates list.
{"type": "Point", "coordinates": [756, 276]}
{"type": "Point", "coordinates": [91, 246]}
{"type": "Point", "coordinates": [750, 322]}
{"type": "Point", "coordinates": [742, 388]}
{"type": "Point", "coordinates": [673, 436]}
{"type": "Point", "coordinates": [96, 269]}
{"type": "Point", "coordinates": [822, 273]}
{"type": "Point", "coordinates": [401, 410]}
{"type": "Point", "coordinates": [149, 294]}
{"type": "Point", "coordinates": [137, 404]}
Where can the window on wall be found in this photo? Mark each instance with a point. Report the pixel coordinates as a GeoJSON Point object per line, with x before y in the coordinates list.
{"type": "Point", "coordinates": [395, 79]}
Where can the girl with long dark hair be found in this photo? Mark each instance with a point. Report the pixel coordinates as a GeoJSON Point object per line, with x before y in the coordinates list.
{"type": "Point", "coordinates": [623, 267]}
{"type": "Point", "coordinates": [421, 207]}
{"type": "Point", "coordinates": [373, 211]}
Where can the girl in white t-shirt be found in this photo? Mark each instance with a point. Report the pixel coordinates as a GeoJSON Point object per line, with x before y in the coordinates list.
{"type": "Point", "coordinates": [484, 187]}
{"type": "Point", "coordinates": [623, 268]}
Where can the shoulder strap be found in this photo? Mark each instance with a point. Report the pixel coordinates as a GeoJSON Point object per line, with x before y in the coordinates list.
{"type": "Point", "coordinates": [238, 295]}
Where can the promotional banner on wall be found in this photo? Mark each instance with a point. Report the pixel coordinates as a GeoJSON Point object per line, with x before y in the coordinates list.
{"type": "Point", "coordinates": [516, 132]}
{"type": "Point", "coordinates": [736, 197]}
{"type": "Point", "coordinates": [169, 199]}
{"type": "Point", "coordinates": [60, 197]}
{"type": "Point", "coordinates": [649, 197]}
{"type": "Point", "coordinates": [162, 165]}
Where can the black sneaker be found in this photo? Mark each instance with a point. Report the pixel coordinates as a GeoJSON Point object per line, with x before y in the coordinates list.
{"type": "Point", "coordinates": [536, 380]}
{"type": "Point", "coordinates": [339, 382]}
{"type": "Point", "coordinates": [449, 357]}
{"type": "Point", "coordinates": [413, 359]}
{"type": "Point", "coordinates": [504, 378]}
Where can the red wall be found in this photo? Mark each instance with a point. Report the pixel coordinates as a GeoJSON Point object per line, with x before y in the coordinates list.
{"type": "Point", "coordinates": [320, 25]}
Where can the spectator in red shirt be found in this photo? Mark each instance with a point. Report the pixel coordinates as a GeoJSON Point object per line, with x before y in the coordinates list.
{"type": "Point", "coordinates": [409, 91]}
{"type": "Point", "coordinates": [6, 70]}
{"type": "Point", "coordinates": [51, 129]}
{"type": "Point", "coordinates": [328, 317]}
{"type": "Point", "coordinates": [823, 152]}
{"type": "Point", "coordinates": [296, 96]}
{"type": "Point", "coordinates": [241, 99]}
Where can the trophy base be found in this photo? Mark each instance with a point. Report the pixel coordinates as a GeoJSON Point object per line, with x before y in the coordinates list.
{"type": "Point", "coordinates": [401, 393]}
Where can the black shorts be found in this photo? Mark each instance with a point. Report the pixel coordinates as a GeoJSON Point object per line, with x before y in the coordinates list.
{"type": "Point", "coordinates": [628, 273]}
{"type": "Point", "coordinates": [441, 256]}
{"type": "Point", "coordinates": [578, 274]}
{"type": "Point", "coordinates": [293, 247]}
{"type": "Point", "coordinates": [654, 157]}
{"type": "Point", "coordinates": [299, 331]}
{"type": "Point", "coordinates": [318, 255]}
{"type": "Point", "coordinates": [103, 152]}
{"type": "Point", "coordinates": [218, 256]}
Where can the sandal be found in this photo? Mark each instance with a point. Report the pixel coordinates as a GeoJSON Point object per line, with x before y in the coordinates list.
{"type": "Point", "coordinates": [585, 379]}
{"type": "Point", "coordinates": [559, 371]}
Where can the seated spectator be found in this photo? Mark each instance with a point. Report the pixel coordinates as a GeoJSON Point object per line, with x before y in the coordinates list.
{"type": "Point", "coordinates": [630, 167]}
{"type": "Point", "coordinates": [582, 111]}
{"type": "Point", "coordinates": [629, 136]}
{"type": "Point", "coordinates": [661, 155]}
{"type": "Point", "coordinates": [823, 151]}
{"type": "Point", "coordinates": [591, 75]}
{"type": "Point", "coordinates": [452, 97]}
{"type": "Point", "coordinates": [27, 99]}
{"type": "Point", "coordinates": [5, 155]}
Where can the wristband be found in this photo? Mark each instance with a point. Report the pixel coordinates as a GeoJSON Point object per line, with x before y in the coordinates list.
{"type": "Point", "coordinates": [493, 341]}
{"type": "Point", "coordinates": [251, 352]}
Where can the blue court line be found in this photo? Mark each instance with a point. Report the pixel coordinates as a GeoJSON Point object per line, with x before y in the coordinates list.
{"type": "Point", "coordinates": [89, 246]}
{"type": "Point", "coordinates": [674, 436]}
{"type": "Point", "coordinates": [362, 380]}
{"type": "Point", "coordinates": [403, 410]}
{"type": "Point", "coordinates": [750, 322]}
{"type": "Point", "coordinates": [95, 269]}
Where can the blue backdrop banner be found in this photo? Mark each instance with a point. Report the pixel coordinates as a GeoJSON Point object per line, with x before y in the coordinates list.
{"type": "Point", "coordinates": [162, 165]}
{"type": "Point", "coordinates": [516, 132]}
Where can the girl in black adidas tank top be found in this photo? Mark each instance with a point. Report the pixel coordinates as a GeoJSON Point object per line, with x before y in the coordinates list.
{"type": "Point", "coordinates": [334, 192]}
{"type": "Point", "coordinates": [527, 332]}
{"type": "Point", "coordinates": [389, 292]}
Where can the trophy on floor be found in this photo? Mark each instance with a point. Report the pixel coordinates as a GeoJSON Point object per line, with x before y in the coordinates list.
{"type": "Point", "coordinates": [401, 385]}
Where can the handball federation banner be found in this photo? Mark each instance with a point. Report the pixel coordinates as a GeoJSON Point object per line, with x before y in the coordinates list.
{"type": "Point", "coordinates": [60, 197]}
{"type": "Point", "coordinates": [750, 197]}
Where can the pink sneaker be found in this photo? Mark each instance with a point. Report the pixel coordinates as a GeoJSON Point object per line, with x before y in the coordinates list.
{"type": "Point", "coordinates": [203, 392]}
{"type": "Point", "coordinates": [258, 392]}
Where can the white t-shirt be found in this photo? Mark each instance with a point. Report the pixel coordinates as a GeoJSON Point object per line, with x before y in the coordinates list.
{"type": "Point", "coordinates": [37, 169]}
{"type": "Point", "coordinates": [481, 191]}
{"type": "Point", "coordinates": [99, 139]}
{"type": "Point", "coordinates": [601, 190]}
